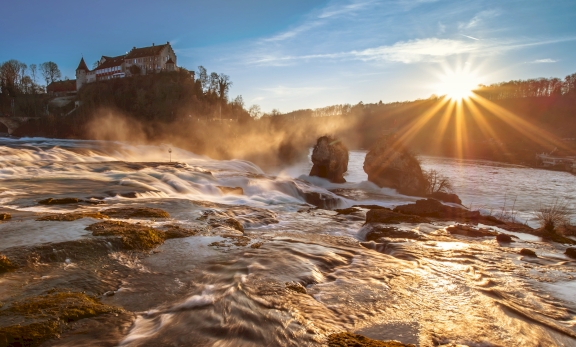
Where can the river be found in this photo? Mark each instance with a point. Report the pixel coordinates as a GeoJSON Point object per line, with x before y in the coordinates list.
{"type": "Point", "coordinates": [293, 274]}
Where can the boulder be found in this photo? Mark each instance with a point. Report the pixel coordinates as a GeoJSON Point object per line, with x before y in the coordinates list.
{"type": "Point", "coordinates": [528, 252]}
{"type": "Point", "coordinates": [330, 159]}
{"type": "Point", "coordinates": [571, 252]}
{"type": "Point", "coordinates": [503, 238]}
{"type": "Point", "coordinates": [389, 164]}
{"type": "Point", "coordinates": [373, 232]}
{"type": "Point", "coordinates": [446, 197]}
{"type": "Point", "coordinates": [387, 216]}
{"type": "Point", "coordinates": [434, 208]}
{"type": "Point", "coordinates": [469, 231]}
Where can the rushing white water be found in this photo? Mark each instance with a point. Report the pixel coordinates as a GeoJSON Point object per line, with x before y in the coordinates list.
{"type": "Point", "coordinates": [223, 287]}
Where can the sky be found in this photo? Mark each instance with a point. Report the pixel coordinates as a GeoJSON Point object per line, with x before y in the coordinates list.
{"type": "Point", "coordinates": [299, 54]}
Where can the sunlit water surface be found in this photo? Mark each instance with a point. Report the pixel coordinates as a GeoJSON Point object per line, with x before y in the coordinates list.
{"type": "Point", "coordinates": [205, 290]}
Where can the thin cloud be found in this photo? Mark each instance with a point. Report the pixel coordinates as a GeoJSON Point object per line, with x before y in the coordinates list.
{"type": "Point", "coordinates": [479, 18]}
{"type": "Point", "coordinates": [470, 37]}
{"type": "Point", "coordinates": [328, 13]}
{"type": "Point", "coordinates": [544, 61]}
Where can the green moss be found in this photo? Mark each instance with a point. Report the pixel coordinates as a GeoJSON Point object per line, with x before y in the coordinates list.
{"type": "Point", "coordinates": [68, 217]}
{"type": "Point", "coordinates": [5, 264]}
{"type": "Point", "coordinates": [355, 340]}
{"type": "Point", "coordinates": [175, 231]}
{"type": "Point", "coordinates": [138, 212]}
{"type": "Point", "coordinates": [29, 335]}
{"type": "Point", "coordinates": [133, 236]}
{"type": "Point", "coordinates": [62, 201]}
{"type": "Point", "coordinates": [46, 316]}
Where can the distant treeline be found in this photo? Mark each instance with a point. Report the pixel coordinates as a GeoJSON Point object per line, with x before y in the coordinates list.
{"type": "Point", "coordinates": [539, 87]}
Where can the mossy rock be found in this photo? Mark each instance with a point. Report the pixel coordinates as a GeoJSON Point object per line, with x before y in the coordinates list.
{"type": "Point", "coordinates": [553, 236]}
{"type": "Point", "coordinates": [355, 340]}
{"type": "Point", "coordinates": [296, 287]}
{"type": "Point", "coordinates": [173, 231]}
{"type": "Point", "coordinates": [136, 212]}
{"type": "Point", "coordinates": [387, 216]}
{"type": "Point", "coordinates": [5, 216]}
{"type": "Point", "coordinates": [47, 316]}
{"type": "Point", "coordinates": [62, 201]}
{"type": "Point", "coordinates": [5, 264]}
{"type": "Point", "coordinates": [133, 236]}
{"type": "Point", "coordinates": [69, 217]}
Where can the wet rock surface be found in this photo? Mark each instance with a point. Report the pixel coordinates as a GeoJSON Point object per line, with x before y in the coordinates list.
{"type": "Point", "coordinates": [5, 216]}
{"type": "Point", "coordinates": [435, 209]}
{"type": "Point", "coordinates": [388, 216]}
{"type": "Point", "coordinates": [446, 197]}
{"type": "Point", "coordinates": [527, 252]}
{"type": "Point", "coordinates": [133, 236]}
{"type": "Point", "coordinates": [6, 264]}
{"type": "Point", "coordinates": [231, 190]}
{"type": "Point", "coordinates": [389, 164]}
{"type": "Point", "coordinates": [346, 339]}
{"type": "Point", "coordinates": [330, 159]}
{"type": "Point", "coordinates": [69, 217]}
{"type": "Point", "coordinates": [46, 316]}
{"type": "Point", "coordinates": [136, 212]}
{"type": "Point", "coordinates": [503, 238]}
{"type": "Point", "coordinates": [466, 230]}
{"type": "Point", "coordinates": [374, 232]}
{"type": "Point", "coordinates": [571, 252]}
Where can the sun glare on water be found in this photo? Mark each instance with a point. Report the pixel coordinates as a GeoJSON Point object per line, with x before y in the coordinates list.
{"type": "Point", "coordinates": [457, 84]}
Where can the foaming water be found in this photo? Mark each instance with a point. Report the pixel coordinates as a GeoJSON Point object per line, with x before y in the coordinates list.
{"type": "Point", "coordinates": [296, 273]}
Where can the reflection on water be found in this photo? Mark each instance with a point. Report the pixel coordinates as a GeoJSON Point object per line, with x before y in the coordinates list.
{"type": "Point", "coordinates": [296, 273]}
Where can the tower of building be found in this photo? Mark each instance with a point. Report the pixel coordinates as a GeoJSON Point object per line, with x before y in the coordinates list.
{"type": "Point", "coordinates": [81, 72]}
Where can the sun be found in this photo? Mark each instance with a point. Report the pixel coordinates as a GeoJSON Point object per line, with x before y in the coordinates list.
{"type": "Point", "coordinates": [457, 84]}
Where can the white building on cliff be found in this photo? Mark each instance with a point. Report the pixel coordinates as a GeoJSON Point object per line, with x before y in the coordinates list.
{"type": "Point", "coordinates": [145, 60]}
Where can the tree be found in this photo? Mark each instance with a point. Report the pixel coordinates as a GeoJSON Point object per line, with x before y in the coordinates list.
{"type": "Point", "coordinates": [255, 111]}
{"type": "Point", "coordinates": [11, 74]}
{"type": "Point", "coordinates": [213, 82]}
{"type": "Point", "coordinates": [33, 71]}
{"type": "Point", "coordinates": [50, 72]}
{"type": "Point", "coordinates": [203, 78]}
{"type": "Point", "coordinates": [437, 183]}
{"type": "Point", "coordinates": [224, 84]}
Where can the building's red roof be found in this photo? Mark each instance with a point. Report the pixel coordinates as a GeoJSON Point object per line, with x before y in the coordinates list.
{"type": "Point", "coordinates": [82, 65]}
{"type": "Point", "coordinates": [62, 86]}
{"type": "Point", "coordinates": [146, 51]}
{"type": "Point", "coordinates": [111, 62]}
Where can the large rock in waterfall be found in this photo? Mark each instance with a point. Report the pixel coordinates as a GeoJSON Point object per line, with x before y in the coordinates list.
{"type": "Point", "coordinates": [389, 164]}
{"type": "Point", "coordinates": [330, 158]}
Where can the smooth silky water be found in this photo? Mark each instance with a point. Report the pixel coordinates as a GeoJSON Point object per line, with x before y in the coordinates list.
{"type": "Point", "coordinates": [211, 289]}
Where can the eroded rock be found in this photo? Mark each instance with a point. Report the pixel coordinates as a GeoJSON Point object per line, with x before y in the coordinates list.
{"type": "Point", "coordinates": [133, 236]}
{"type": "Point", "coordinates": [330, 159]}
{"type": "Point", "coordinates": [435, 209]}
{"type": "Point", "coordinates": [6, 264]}
{"type": "Point", "coordinates": [5, 216]}
{"type": "Point", "coordinates": [386, 216]}
{"type": "Point", "coordinates": [390, 164]}
{"type": "Point", "coordinates": [466, 230]}
{"type": "Point", "coordinates": [503, 238]}
{"type": "Point", "coordinates": [136, 212]}
{"type": "Point", "coordinates": [346, 339]}
{"type": "Point", "coordinates": [571, 252]}
{"type": "Point", "coordinates": [527, 252]}
{"type": "Point", "coordinates": [373, 232]}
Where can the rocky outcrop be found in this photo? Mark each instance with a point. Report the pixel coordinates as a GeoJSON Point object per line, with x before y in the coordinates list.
{"type": "Point", "coordinates": [503, 238]}
{"type": "Point", "coordinates": [435, 209]}
{"type": "Point", "coordinates": [527, 252]}
{"type": "Point", "coordinates": [387, 216]}
{"type": "Point", "coordinates": [571, 252]}
{"type": "Point", "coordinates": [469, 231]}
{"type": "Point", "coordinates": [389, 164]}
{"type": "Point", "coordinates": [446, 197]}
{"type": "Point", "coordinates": [330, 158]}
